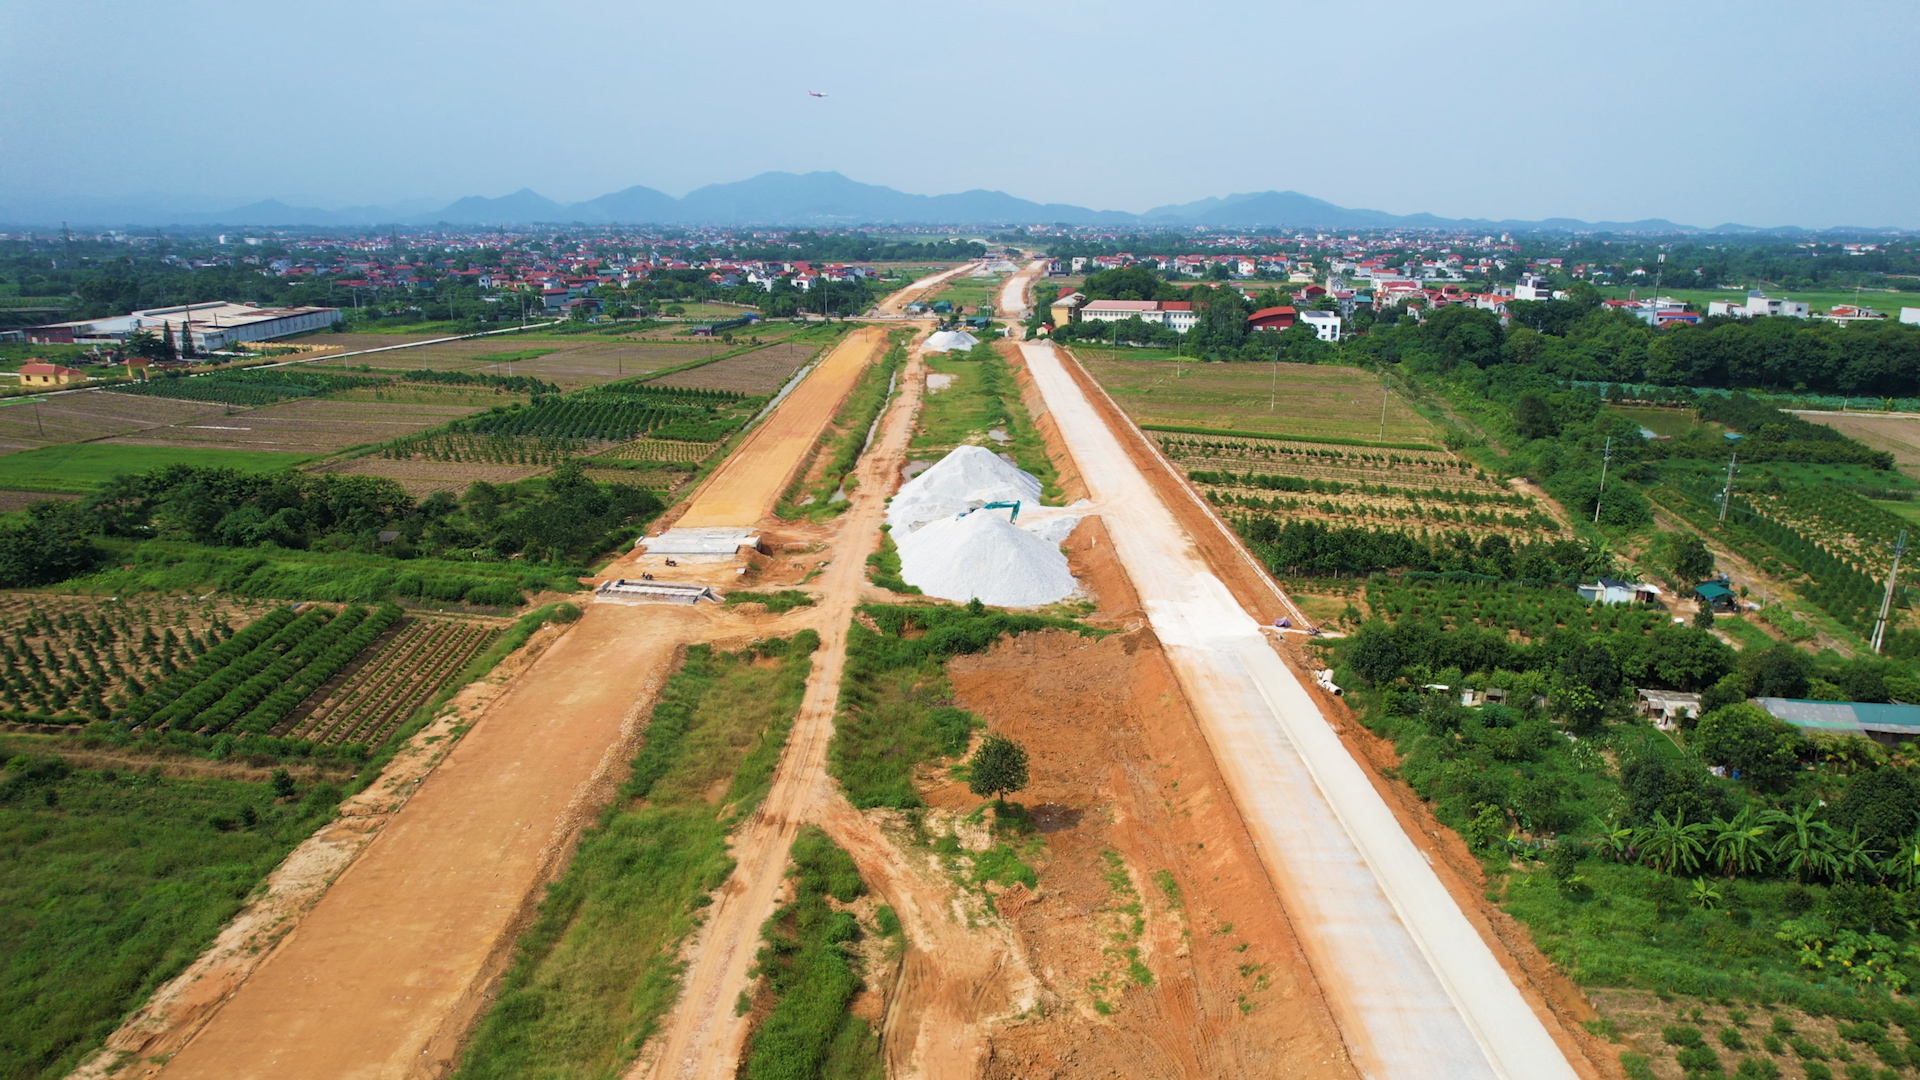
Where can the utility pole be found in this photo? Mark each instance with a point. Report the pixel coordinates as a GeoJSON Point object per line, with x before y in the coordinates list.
{"type": "Point", "coordinates": [1886, 601]}
{"type": "Point", "coordinates": [1726, 494]}
{"type": "Point", "coordinates": [1606, 456]}
{"type": "Point", "coordinates": [1383, 408]}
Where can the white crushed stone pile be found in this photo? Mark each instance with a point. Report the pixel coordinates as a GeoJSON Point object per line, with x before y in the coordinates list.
{"type": "Point", "coordinates": [949, 340]}
{"type": "Point", "coordinates": [982, 556]}
{"type": "Point", "coordinates": [970, 476]}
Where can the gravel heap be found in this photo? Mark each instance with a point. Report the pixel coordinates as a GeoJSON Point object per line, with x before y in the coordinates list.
{"type": "Point", "coordinates": [980, 555]}
{"type": "Point", "coordinates": [964, 479]}
{"type": "Point", "coordinates": [949, 340]}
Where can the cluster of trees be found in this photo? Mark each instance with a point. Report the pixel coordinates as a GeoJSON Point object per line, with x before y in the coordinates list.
{"type": "Point", "coordinates": [565, 518]}
{"type": "Point", "coordinates": [1317, 549]}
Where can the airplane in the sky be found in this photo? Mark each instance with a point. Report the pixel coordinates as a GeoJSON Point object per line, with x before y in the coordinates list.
{"type": "Point", "coordinates": [815, 93]}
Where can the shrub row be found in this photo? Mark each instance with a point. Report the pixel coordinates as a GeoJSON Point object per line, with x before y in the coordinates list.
{"type": "Point", "coordinates": [355, 631]}
{"type": "Point", "coordinates": [215, 658]}
{"type": "Point", "coordinates": [223, 681]}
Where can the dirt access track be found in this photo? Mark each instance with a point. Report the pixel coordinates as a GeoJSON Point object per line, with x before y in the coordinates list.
{"type": "Point", "coordinates": [384, 975]}
{"type": "Point", "coordinates": [1415, 989]}
{"type": "Point", "coordinates": [745, 487]}
{"type": "Point", "coordinates": [896, 304]}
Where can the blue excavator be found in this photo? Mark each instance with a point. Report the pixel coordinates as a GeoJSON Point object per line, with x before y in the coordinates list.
{"type": "Point", "coordinates": [1011, 518]}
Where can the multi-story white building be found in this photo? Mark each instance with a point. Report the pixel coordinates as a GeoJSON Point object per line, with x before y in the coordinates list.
{"type": "Point", "coordinates": [1326, 324]}
{"type": "Point", "coordinates": [1533, 287]}
{"type": "Point", "coordinates": [1175, 315]}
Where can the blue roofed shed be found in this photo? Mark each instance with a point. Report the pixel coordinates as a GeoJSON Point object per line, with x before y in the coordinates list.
{"type": "Point", "coordinates": [1882, 723]}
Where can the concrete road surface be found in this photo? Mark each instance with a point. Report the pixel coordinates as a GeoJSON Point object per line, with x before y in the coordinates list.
{"type": "Point", "coordinates": [1416, 991]}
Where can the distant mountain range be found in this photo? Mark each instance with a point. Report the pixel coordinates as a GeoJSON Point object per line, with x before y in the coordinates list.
{"type": "Point", "coordinates": [778, 198]}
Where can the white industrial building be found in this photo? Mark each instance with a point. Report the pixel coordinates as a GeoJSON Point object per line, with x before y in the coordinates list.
{"type": "Point", "coordinates": [212, 326]}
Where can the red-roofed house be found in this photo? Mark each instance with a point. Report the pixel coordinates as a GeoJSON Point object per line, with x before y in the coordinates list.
{"type": "Point", "coordinates": [40, 373]}
{"type": "Point", "coordinates": [1272, 318]}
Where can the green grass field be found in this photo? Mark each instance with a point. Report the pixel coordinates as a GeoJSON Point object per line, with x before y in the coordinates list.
{"type": "Point", "coordinates": [1323, 401]}
{"type": "Point", "coordinates": [82, 467]}
{"type": "Point", "coordinates": [969, 292]}
{"type": "Point", "coordinates": [114, 882]}
{"type": "Point", "coordinates": [981, 398]}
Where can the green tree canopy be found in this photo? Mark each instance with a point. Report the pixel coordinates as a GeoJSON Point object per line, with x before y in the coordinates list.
{"type": "Point", "coordinates": [998, 768]}
{"type": "Point", "coordinates": [1746, 739]}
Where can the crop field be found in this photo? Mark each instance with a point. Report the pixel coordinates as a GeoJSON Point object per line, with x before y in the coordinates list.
{"type": "Point", "coordinates": [1319, 401]}
{"type": "Point", "coordinates": [251, 387]}
{"type": "Point", "coordinates": [1897, 435]}
{"type": "Point", "coordinates": [1531, 611]}
{"type": "Point", "coordinates": [250, 680]}
{"type": "Point", "coordinates": [80, 467]}
{"type": "Point", "coordinates": [309, 426]}
{"type": "Point", "coordinates": [69, 418]}
{"type": "Point", "coordinates": [1350, 485]}
{"type": "Point", "coordinates": [1845, 524]}
{"type": "Point", "coordinates": [572, 362]}
{"type": "Point", "coordinates": [78, 657]}
{"type": "Point", "coordinates": [759, 373]}
{"type": "Point", "coordinates": [411, 664]}
{"type": "Point", "coordinates": [356, 342]}
{"type": "Point", "coordinates": [656, 450]}
{"type": "Point", "coordinates": [422, 476]}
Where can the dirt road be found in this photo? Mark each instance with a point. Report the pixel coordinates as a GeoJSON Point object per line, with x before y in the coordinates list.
{"type": "Point", "coordinates": [1013, 295]}
{"type": "Point", "coordinates": [383, 976]}
{"type": "Point", "coordinates": [1416, 991]}
{"type": "Point", "coordinates": [744, 488]}
{"type": "Point", "coordinates": [703, 1037]}
{"type": "Point", "coordinates": [896, 304]}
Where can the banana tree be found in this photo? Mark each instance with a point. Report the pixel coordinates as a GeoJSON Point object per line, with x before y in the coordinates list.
{"type": "Point", "coordinates": [1804, 848]}
{"type": "Point", "coordinates": [1673, 846]}
{"type": "Point", "coordinates": [1743, 845]}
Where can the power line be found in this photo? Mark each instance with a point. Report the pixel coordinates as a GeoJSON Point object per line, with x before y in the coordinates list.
{"type": "Point", "coordinates": [1886, 601]}
{"type": "Point", "coordinates": [1606, 456]}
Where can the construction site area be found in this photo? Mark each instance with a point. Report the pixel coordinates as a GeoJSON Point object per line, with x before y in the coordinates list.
{"type": "Point", "coordinates": [729, 821]}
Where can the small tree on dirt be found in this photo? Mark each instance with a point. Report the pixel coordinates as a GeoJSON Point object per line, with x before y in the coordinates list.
{"type": "Point", "coordinates": [998, 768]}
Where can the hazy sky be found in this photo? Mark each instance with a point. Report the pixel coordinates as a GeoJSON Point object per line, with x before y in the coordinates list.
{"type": "Point", "coordinates": [1765, 114]}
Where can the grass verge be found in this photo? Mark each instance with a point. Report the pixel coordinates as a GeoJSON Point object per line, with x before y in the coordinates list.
{"type": "Point", "coordinates": [593, 975]}
{"type": "Point", "coordinates": [892, 715]}
{"type": "Point", "coordinates": [811, 979]}
{"type": "Point", "coordinates": [982, 397]}
{"type": "Point", "coordinates": [883, 566]}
